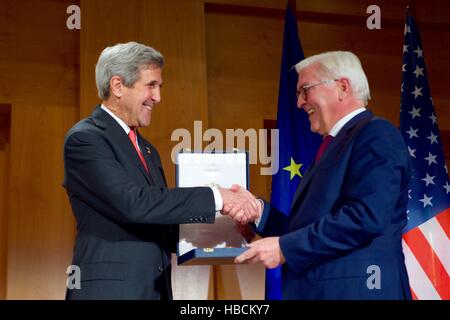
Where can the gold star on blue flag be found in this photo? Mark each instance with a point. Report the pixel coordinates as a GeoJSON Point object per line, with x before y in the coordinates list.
{"type": "Point", "coordinates": [294, 169]}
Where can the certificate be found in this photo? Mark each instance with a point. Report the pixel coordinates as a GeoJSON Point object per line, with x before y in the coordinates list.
{"type": "Point", "coordinates": [221, 242]}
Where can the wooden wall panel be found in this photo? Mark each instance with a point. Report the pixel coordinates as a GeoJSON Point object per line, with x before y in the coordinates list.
{"type": "Point", "coordinates": [39, 65]}
{"type": "Point", "coordinates": [5, 121]}
{"type": "Point", "coordinates": [243, 56]}
{"type": "Point", "coordinates": [389, 9]}
{"type": "Point", "coordinates": [272, 4]}
{"type": "Point", "coordinates": [4, 156]}
{"type": "Point", "coordinates": [242, 282]}
{"type": "Point", "coordinates": [40, 226]}
{"type": "Point", "coordinates": [39, 78]}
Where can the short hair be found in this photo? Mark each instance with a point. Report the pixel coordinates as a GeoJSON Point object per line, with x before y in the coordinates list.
{"type": "Point", "coordinates": [125, 60]}
{"type": "Point", "coordinates": [338, 64]}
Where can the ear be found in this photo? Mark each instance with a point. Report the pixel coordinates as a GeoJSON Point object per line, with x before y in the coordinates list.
{"type": "Point", "coordinates": [116, 86]}
{"type": "Point", "coordinates": [345, 87]}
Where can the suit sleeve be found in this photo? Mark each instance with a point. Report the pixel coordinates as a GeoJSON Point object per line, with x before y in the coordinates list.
{"type": "Point", "coordinates": [94, 175]}
{"type": "Point", "coordinates": [377, 174]}
{"type": "Point", "coordinates": [272, 223]}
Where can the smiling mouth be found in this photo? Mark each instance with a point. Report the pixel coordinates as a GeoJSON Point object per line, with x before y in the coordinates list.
{"type": "Point", "coordinates": [149, 108]}
{"type": "Point", "coordinates": [311, 111]}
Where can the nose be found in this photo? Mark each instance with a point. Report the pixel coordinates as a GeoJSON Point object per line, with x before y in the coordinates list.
{"type": "Point", "coordinates": [300, 102]}
{"type": "Point", "coordinates": [156, 95]}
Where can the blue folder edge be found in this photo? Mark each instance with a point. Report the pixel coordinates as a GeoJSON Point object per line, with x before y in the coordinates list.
{"type": "Point", "coordinates": [210, 256]}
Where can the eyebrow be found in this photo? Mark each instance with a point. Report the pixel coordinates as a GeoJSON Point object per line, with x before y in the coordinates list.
{"type": "Point", "coordinates": [155, 82]}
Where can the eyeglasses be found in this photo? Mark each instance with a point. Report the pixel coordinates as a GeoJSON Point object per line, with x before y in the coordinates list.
{"type": "Point", "coordinates": [303, 90]}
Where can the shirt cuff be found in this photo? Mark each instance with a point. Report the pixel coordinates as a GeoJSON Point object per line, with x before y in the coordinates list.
{"type": "Point", "coordinates": [257, 221]}
{"type": "Point", "coordinates": [217, 198]}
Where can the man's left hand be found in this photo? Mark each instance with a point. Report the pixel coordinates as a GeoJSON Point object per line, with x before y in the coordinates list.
{"type": "Point", "coordinates": [266, 250]}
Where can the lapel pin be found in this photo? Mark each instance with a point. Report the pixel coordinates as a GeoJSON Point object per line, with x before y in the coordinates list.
{"type": "Point", "coordinates": [148, 150]}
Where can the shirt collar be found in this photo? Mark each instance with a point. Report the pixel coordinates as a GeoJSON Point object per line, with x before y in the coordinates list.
{"type": "Point", "coordinates": [341, 123]}
{"type": "Point", "coordinates": [119, 121]}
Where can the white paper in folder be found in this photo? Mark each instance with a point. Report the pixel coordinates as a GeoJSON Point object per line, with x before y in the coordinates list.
{"type": "Point", "coordinates": [211, 169]}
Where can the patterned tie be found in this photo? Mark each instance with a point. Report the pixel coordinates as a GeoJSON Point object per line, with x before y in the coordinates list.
{"type": "Point", "coordinates": [132, 136]}
{"type": "Point", "coordinates": [326, 141]}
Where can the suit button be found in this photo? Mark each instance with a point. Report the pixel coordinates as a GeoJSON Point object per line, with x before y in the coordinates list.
{"type": "Point", "coordinates": [160, 268]}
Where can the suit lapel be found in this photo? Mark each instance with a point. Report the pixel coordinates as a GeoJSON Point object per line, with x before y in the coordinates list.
{"type": "Point", "coordinates": [115, 131]}
{"type": "Point", "coordinates": [335, 148]}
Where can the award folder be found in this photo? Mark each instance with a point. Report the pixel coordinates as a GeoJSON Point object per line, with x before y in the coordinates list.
{"type": "Point", "coordinates": [221, 242]}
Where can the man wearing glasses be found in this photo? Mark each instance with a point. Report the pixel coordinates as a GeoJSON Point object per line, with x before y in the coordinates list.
{"type": "Point", "coordinates": [343, 236]}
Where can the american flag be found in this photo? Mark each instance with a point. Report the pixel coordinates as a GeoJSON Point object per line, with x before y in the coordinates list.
{"type": "Point", "coordinates": [426, 241]}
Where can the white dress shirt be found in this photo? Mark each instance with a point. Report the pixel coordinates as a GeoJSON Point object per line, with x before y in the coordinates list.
{"type": "Point", "coordinates": [341, 123]}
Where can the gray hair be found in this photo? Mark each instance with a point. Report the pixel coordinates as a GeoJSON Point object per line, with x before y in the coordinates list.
{"type": "Point", "coordinates": [338, 64]}
{"type": "Point", "coordinates": [125, 60]}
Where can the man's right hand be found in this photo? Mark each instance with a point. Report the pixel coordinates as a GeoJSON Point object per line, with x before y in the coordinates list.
{"type": "Point", "coordinates": [239, 204]}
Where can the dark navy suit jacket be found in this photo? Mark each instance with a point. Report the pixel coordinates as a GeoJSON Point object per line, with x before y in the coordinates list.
{"type": "Point", "coordinates": [126, 219]}
{"type": "Point", "coordinates": [343, 237]}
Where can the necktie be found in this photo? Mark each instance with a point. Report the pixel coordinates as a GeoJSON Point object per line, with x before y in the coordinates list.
{"type": "Point", "coordinates": [326, 141]}
{"type": "Point", "coordinates": [132, 136]}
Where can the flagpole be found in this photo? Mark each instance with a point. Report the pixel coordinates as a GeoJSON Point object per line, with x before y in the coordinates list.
{"type": "Point", "coordinates": [411, 7]}
{"type": "Point", "coordinates": [292, 4]}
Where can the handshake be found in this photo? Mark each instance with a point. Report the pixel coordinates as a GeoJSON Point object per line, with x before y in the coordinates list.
{"type": "Point", "coordinates": [240, 205]}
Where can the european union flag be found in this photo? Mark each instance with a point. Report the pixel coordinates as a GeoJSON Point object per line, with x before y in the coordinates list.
{"type": "Point", "coordinates": [297, 144]}
{"type": "Point", "coordinates": [426, 243]}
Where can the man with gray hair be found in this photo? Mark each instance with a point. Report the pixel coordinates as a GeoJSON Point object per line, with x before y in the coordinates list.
{"type": "Point", "coordinates": [343, 236]}
{"type": "Point", "coordinates": [127, 218]}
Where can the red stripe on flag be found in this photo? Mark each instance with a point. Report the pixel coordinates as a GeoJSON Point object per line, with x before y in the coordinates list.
{"type": "Point", "coordinates": [429, 262]}
{"type": "Point", "coordinates": [444, 220]}
{"type": "Point", "coordinates": [413, 294]}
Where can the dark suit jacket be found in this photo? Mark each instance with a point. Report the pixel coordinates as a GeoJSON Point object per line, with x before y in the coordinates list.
{"type": "Point", "coordinates": [343, 237]}
{"type": "Point", "coordinates": [126, 219]}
